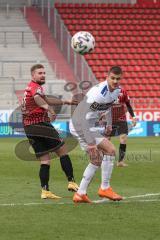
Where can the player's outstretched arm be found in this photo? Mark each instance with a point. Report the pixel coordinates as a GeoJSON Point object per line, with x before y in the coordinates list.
{"type": "Point", "coordinates": [57, 101]}
{"type": "Point", "coordinates": [130, 110]}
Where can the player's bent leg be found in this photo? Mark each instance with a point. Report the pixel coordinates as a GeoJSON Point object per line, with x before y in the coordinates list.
{"type": "Point", "coordinates": [66, 165]}
{"type": "Point", "coordinates": [107, 147]}
{"type": "Point", "coordinates": [44, 178]}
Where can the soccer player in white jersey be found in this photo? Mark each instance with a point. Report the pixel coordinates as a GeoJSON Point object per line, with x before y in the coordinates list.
{"type": "Point", "coordinates": [101, 151]}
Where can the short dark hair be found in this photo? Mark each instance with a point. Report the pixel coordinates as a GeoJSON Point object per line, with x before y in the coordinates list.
{"type": "Point", "coordinates": [36, 66]}
{"type": "Point", "coordinates": [116, 70]}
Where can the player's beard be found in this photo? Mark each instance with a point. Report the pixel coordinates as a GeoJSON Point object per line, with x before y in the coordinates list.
{"type": "Point", "coordinates": [40, 82]}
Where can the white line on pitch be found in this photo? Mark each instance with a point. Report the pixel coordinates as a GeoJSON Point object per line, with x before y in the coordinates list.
{"type": "Point", "coordinates": [103, 200]}
{"type": "Point", "coordinates": [28, 204]}
{"type": "Point", "coordinates": [144, 195]}
{"type": "Point", "coordinates": [71, 203]}
{"type": "Point", "coordinates": [137, 196]}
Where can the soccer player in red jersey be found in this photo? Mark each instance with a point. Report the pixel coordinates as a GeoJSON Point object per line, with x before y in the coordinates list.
{"type": "Point", "coordinates": [42, 136]}
{"type": "Point", "coordinates": [119, 123]}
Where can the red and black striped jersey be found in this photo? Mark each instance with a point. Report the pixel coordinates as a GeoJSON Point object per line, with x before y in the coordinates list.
{"type": "Point", "coordinates": [119, 107]}
{"type": "Point", "coordinates": [32, 113]}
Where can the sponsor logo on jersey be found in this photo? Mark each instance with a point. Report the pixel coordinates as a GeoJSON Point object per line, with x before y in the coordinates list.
{"type": "Point", "coordinates": [100, 107]}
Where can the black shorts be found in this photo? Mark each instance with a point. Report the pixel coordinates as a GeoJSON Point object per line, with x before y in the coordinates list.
{"type": "Point", "coordinates": [119, 128]}
{"type": "Point", "coordinates": [43, 137]}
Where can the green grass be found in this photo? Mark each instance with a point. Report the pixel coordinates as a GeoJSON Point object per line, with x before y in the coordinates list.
{"type": "Point", "coordinates": [126, 220]}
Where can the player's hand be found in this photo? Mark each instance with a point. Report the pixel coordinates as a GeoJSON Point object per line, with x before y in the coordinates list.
{"type": "Point", "coordinates": [52, 117]}
{"type": "Point", "coordinates": [134, 121]}
{"type": "Point", "coordinates": [102, 119]}
{"type": "Point", "coordinates": [52, 114]}
{"type": "Point", "coordinates": [108, 130]}
{"type": "Point", "coordinates": [71, 102]}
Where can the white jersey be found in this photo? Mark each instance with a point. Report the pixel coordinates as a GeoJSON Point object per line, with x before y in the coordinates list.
{"type": "Point", "coordinates": [100, 99]}
{"type": "Point", "coordinates": [97, 100]}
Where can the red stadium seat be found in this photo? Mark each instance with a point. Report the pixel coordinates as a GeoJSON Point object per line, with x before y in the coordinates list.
{"type": "Point", "coordinates": [126, 35]}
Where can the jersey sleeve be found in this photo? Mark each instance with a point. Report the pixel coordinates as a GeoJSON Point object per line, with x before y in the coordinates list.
{"type": "Point", "coordinates": [126, 97]}
{"type": "Point", "coordinates": [37, 90]}
{"type": "Point", "coordinates": [99, 94]}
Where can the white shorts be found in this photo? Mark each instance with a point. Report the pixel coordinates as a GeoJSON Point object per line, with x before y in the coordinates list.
{"type": "Point", "coordinates": [80, 136]}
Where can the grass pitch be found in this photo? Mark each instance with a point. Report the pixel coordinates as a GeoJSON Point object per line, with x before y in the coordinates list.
{"type": "Point", "coordinates": [24, 216]}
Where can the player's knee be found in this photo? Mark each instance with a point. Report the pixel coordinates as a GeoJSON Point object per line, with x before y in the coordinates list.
{"type": "Point", "coordinates": [97, 160]}
{"type": "Point", "coordinates": [46, 162]}
{"type": "Point", "coordinates": [45, 159]}
{"type": "Point", "coordinates": [123, 139]}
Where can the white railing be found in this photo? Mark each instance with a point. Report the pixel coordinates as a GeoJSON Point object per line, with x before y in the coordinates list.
{"type": "Point", "coordinates": [20, 37]}
{"type": "Point", "coordinates": [20, 69]}
{"type": "Point", "coordinates": [9, 7]}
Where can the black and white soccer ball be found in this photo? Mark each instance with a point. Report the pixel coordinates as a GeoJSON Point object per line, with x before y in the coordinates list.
{"type": "Point", "coordinates": [83, 42]}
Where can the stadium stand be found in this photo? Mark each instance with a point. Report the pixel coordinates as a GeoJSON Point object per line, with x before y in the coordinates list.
{"type": "Point", "coordinates": [14, 3]}
{"type": "Point", "coordinates": [20, 49]}
{"type": "Point", "coordinates": [127, 35]}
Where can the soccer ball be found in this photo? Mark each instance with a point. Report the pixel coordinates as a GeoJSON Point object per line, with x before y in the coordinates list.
{"type": "Point", "coordinates": [83, 42]}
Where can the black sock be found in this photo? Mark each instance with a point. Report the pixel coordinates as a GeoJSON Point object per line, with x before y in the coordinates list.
{"type": "Point", "coordinates": [122, 152]}
{"type": "Point", "coordinates": [66, 165]}
{"type": "Point", "coordinates": [44, 176]}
